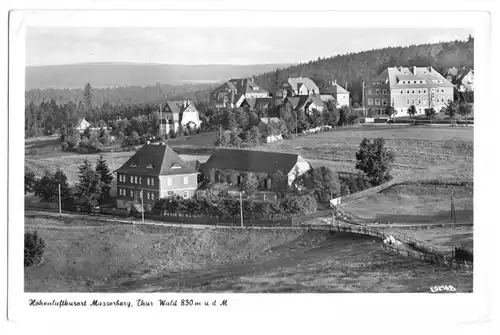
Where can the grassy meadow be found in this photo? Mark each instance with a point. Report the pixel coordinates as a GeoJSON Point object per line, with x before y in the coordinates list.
{"type": "Point", "coordinates": [84, 258]}
{"type": "Point", "coordinates": [407, 203]}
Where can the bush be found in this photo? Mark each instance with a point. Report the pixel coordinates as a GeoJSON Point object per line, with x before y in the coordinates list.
{"type": "Point", "coordinates": [34, 246]}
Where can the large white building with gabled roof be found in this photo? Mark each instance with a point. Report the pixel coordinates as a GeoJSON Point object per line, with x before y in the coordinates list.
{"type": "Point", "coordinates": [402, 87]}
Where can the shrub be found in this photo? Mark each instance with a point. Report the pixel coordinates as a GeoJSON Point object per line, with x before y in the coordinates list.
{"type": "Point", "coordinates": [34, 246]}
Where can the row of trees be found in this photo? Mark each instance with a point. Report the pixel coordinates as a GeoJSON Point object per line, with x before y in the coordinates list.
{"type": "Point", "coordinates": [92, 188]}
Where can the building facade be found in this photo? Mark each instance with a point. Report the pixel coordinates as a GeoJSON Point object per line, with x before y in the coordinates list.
{"type": "Point", "coordinates": [154, 172]}
{"type": "Point", "coordinates": [234, 91]}
{"type": "Point", "coordinates": [176, 113]}
{"type": "Point", "coordinates": [263, 163]}
{"type": "Point", "coordinates": [297, 87]}
{"type": "Point", "coordinates": [402, 87]}
{"type": "Point", "coordinates": [336, 92]}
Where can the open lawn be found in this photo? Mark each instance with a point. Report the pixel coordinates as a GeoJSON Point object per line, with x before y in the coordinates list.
{"type": "Point", "coordinates": [84, 258]}
{"type": "Point", "coordinates": [422, 152]}
{"type": "Point", "coordinates": [415, 204]}
{"type": "Point", "coordinates": [444, 238]}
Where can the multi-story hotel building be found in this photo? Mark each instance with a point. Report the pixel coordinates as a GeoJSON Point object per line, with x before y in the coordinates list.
{"type": "Point", "coordinates": [401, 87]}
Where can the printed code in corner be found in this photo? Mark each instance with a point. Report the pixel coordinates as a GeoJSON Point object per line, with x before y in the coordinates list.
{"type": "Point", "coordinates": [443, 288]}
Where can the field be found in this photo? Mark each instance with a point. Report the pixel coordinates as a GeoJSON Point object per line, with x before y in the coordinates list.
{"type": "Point", "coordinates": [84, 258]}
{"type": "Point", "coordinates": [422, 152]}
{"type": "Point", "coordinates": [415, 204]}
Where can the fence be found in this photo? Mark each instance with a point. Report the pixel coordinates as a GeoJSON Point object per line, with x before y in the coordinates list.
{"type": "Point", "coordinates": [369, 191]}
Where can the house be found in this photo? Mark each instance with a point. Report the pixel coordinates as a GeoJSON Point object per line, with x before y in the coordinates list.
{"type": "Point", "coordinates": [335, 92]}
{"type": "Point", "coordinates": [266, 164]}
{"type": "Point", "coordinates": [154, 172]}
{"type": "Point", "coordinates": [462, 78]}
{"type": "Point", "coordinates": [232, 93]}
{"type": "Point", "coordinates": [269, 129]}
{"type": "Point", "coordinates": [175, 113]}
{"type": "Point", "coordinates": [81, 125]}
{"type": "Point", "coordinates": [259, 105]}
{"type": "Point", "coordinates": [401, 87]}
{"type": "Point", "coordinates": [297, 87]}
{"type": "Point", "coordinates": [314, 104]}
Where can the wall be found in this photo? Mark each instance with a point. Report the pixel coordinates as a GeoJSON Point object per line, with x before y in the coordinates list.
{"type": "Point", "coordinates": [178, 185]}
{"type": "Point", "coordinates": [190, 114]}
{"type": "Point", "coordinates": [300, 168]}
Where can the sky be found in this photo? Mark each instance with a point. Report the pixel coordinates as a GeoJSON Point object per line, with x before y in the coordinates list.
{"type": "Point", "coordinates": [195, 45]}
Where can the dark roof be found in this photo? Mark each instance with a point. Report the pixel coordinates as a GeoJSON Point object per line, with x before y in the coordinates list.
{"type": "Point", "coordinates": [161, 159]}
{"type": "Point", "coordinates": [194, 164]}
{"type": "Point", "coordinates": [251, 161]}
{"type": "Point", "coordinates": [177, 107]}
{"type": "Point", "coordinates": [298, 101]}
{"type": "Point", "coordinates": [257, 103]}
{"type": "Point", "coordinates": [333, 88]}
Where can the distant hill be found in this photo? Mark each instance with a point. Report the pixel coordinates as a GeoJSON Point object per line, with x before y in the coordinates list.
{"type": "Point", "coordinates": [103, 75]}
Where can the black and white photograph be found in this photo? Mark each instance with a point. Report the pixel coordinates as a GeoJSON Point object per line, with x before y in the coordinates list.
{"type": "Point", "coordinates": [242, 159]}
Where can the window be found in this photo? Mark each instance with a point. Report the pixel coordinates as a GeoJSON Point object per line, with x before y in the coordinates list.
{"type": "Point", "coordinates": [176, 166]}
{"type": "Point", "coordinates": [424, 101]}
{"type": "Point", "coordinates": [433, 90]}
{"type": "Point", "coordinates": [377, 91]}
{"type": "Point", "coordinates": [149, 166]}
{"type": "Point", "coordinates": [370, 101]}
{"type": "Point", "coordinates": [369, 91]}
{"type": "Point", "coordinates": [148, 195]}
{"type": "Point", "coordinates": [413, 101]}
{"type": "Point", "coordinates": [412, 91]}
{"type": "Point", "coordinates": [407, 91]}
{"type": "Point", "coordinates": [377, 102]}
{"type": "Point", "coordinates": [186, 194]}
{"type": "Point", "coordinates": [169, 181]}
{"type": "Point", "coordinates": [384, 102]}
{"type": "Point", "coordinates": [408, 101]}
{"type": "Point", "coordinates": [419, 91]}
{"type": "Point", "coordinates": [384, 91]}
{"type": "Point", "coordinates": [132, 193]}
{"type": "Point", "coordinates": [152, 196]}
{"type": "Point", "coordinates": [170, 193]}
{"type": "Point", "coordinates": [133, 165]}
{"type": "Point", "coordinates": [425, 90]}
{"type": "Point", "coordinates": [414, 81]}
{"type": "Point", "coordinates": [186, 179]}
{"type": "Point", "coordinates": [419, 101]}
{"type": "Point", "coordinates": [402, 91]}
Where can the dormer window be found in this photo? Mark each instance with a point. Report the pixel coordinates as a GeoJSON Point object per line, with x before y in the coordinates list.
{"type": "Point", "coordinates": [149, 166]}
{"type": "Point", "coordinates": [133, 165]}
{"type": "Point", "coordinates": [176, 166]}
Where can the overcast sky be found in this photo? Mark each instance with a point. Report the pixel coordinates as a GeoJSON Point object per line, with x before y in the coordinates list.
{"type": "Point", "coordinates": [237, 45]}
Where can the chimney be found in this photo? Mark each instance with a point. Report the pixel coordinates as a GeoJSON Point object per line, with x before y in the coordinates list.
{"type": "Point", "coordinates": [414, 70]}
{"type": "Point", "coordinates": [185, 103]}
{"type": "Point", "coordinates": [241, 81]}
{"type": "Point", "coordinates": [335, 82]}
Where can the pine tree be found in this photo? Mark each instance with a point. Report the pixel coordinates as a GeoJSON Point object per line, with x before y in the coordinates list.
{"type": "Point", "coordinates": [106, 176]}
{"type": "Point", "coordinates": [87, 97]}
{"type": "Point", "coordinates": [89, 187]}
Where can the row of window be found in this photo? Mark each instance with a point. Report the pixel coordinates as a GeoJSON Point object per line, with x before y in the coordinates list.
{"type": "Point", "coordinates": [413, 82]}
{"type": "Point", "coordinates": [408, 91]}
{"type": "Point", "coordinates": [377, 102]}
{"type": "Point", "coordinates": [131, 193]}
{"type": "Point", "coordinates": [423, 101]}
{"type": "Point", "coordinates": [135, 180]}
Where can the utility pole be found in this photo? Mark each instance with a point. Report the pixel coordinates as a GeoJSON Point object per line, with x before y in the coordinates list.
{"type": "Point", "coordinates": [363, 98]}
{"type": "Point", "coordinates": [241, 208]}
{"type": "Point", "coordinates": [59, 199]}
{"type": "Point", "coordinates": [142, 205]}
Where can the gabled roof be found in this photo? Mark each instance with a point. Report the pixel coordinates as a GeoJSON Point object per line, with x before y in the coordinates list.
{"type": "Point", "coordinates": [177, 106]}
{"type": "Point", "coordinates": [316, 100]}
{"type": "Point", "coordinates": [395, 75]}
{"type": "Point", "coordinates": [308, 83]}
{"type": "Point", "coordinates": [297, 101]}
{"type": "Point", "coordinates": [333, 88]}
{"type": "Point", "coordinates": [251, 161]}
{"type": "Point", "coordinates": [246, 85]}
{"type": "Point", "coordinates": [156, 160]}
{"type": "Point", "coordinates": [258, 103]}
{"type": "Point", "coordinates": [464, 73]}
